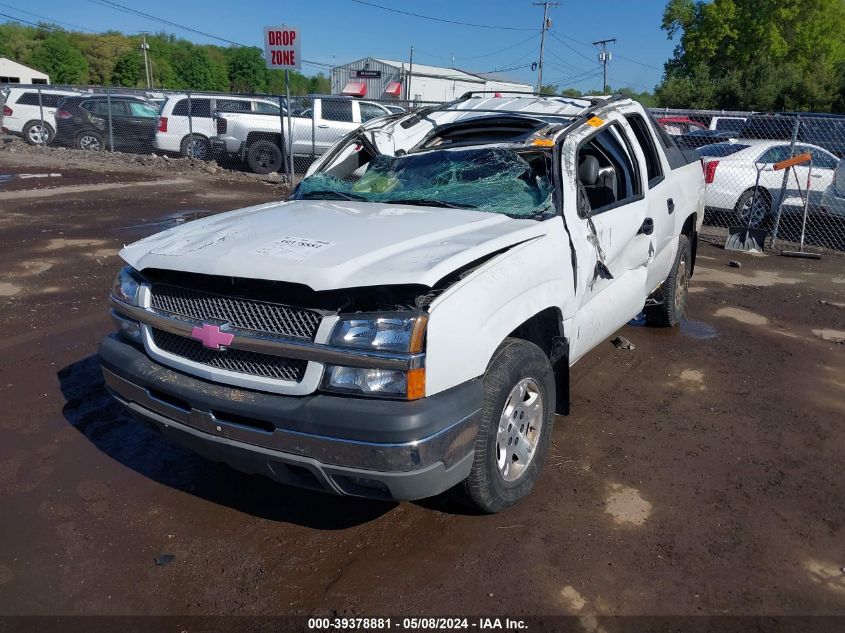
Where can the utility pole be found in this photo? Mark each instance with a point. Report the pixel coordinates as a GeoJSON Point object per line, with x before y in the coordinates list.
{"type": "Point", "coordinates": [145, 47]}
{"type": "Point", "coordinates": [547, 23]}
{"type": "Point", "coordinates": [409, 76]}
{"type": "Point", "coordinates": [604, 58]}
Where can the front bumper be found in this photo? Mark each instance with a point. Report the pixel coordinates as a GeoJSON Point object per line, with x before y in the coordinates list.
{"type": "Point", "coordinates": [350, 446]}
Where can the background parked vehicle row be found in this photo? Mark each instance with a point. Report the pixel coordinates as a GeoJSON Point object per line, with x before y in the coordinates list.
{"type": "Point", "coordinates": [250, 132]}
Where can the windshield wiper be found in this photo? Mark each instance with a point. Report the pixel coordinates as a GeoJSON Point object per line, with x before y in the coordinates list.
{"type": "Point", "coordinates": [330, 192]}
{"type": "Point", "coordinates": [430, 202]}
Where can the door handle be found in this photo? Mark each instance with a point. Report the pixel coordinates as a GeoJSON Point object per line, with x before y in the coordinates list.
{"type": "Point", "coordinates": [323, 126]}
{"type": "Point", "coordinates": [670, 204]}
{"type": "Point", "coordinates": [817, 175]}
{"type": "Point", "coordinates": [647, 227]}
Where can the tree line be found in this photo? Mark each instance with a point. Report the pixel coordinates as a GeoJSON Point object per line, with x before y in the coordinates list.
{"type": "Point", "coordinates": [112, 58]}
{"type": "Point", "coordinates": [764, 55]}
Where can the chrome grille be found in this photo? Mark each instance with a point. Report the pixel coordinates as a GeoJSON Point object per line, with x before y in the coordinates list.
{"type": "Point", "coordinates": [241, 314]}
{"type": "Point", "coordinates": [236, 360]}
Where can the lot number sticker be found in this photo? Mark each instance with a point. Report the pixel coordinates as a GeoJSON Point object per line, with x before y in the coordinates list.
{"type": "Point", "coordinates": [294, 249]}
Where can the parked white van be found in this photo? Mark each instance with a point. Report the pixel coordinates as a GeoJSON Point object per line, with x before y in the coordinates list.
{"type": "Point", "coordinates": [176, 133]}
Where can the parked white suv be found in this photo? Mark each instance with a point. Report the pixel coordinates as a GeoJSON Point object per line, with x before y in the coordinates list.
{"type": "Point", "coordinates": [22, 113]}
{"type": "Point", "coordinates": [405, 322]}
{"type": "Point", "coordinates": [178, 133]}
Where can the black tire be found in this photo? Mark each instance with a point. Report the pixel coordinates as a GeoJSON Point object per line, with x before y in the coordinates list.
{"type": "Point", "coordinates": [762, 205]}
{"type": "Point", "coordinates": [31, 133]}
{"type": "Point", "coordinates": [90, 141]}
{"type": "Point", "coordinates": [264, 157]}
{"type": "Point", "coordinates": [487, 489]}
{"type": "Point", "coordinates": [201, 147]}
{"type": "Point", "coordinates": [674, 289]}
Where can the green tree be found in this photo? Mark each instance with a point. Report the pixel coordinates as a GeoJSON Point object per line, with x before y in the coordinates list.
{"type": "Point", "coordinates": [127, 70]}
{"type": "Point", "coordinates": [56, 57]}
{"type": "Point", "coordinates": [193, 68]}
{"type": "Point", "coordinates": [754, 54]}
{"type": "Point", "coordinates": [247, 70]}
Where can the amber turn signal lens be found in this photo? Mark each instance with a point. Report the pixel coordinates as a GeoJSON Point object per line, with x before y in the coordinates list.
{"type": "Point", "coordinates": [416, 384]}
{"type": "Point", "coordinates": [418, 335]}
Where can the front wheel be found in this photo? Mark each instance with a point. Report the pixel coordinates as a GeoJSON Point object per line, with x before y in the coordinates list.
{"type": "Point", "coordinates": [675, 289]}
{"type": "Point", "coordinates": [264, 157]}
{"type": "Point", "coordinates": [514, 428]}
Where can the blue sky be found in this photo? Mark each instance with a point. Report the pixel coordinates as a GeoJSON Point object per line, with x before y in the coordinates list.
{"type": "Point", "coordinates": [343, 30]}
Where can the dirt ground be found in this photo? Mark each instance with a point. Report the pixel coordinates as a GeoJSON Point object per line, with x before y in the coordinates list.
{"type": "Point", "coordinates": [700, 473]}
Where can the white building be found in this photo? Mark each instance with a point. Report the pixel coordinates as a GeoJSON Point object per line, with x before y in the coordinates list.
{"type": "Point", "coordinates": [12, 72]}
{"type": "Point", "coordinates": [390, 79]}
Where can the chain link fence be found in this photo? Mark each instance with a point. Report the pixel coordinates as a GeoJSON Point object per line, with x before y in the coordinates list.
{"type": "Point", "coordinates": [253, 132]}
{"type": "Point", "coordinates": [740, 151]}
{"type": "Point", "coordinates": [750, 181]}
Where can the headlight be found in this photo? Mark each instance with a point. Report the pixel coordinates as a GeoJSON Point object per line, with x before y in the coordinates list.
{"type": "Point", "coordinates": [126, 285]}
{"type": "Point", "coordinates": [387, 332]}
{"type": "Point", "coordinates": [401, 332]}
{"type": "Point", "coordinates": [388, 383]}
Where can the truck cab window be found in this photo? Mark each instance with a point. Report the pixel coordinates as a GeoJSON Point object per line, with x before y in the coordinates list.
{"type": "Point", "coordinates": [337, 110]}
{"type": "Point", "coordinates": [607, 174]}
{"type": "Point", "coordinates": [654, 171]}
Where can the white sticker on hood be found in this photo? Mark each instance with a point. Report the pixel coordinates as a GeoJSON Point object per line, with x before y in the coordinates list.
{"type": "Point", "coordinates": [295, 249]}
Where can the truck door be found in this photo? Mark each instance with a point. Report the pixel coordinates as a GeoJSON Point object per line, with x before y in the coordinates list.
{"type": "Point", "coordinates": [663, 197]}
{"type": "Point", "coordinates": [606, 214]}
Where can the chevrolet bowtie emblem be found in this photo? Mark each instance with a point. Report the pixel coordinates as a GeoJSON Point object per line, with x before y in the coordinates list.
{"type": "Point", "coordinates": [211, 336]}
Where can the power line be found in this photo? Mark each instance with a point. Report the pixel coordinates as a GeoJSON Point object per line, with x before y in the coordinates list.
{"type": "Point", "coordinates": [44, 17]}
{"type": "Point", "coordinates": [555, 35]}
{"type": "Point", "coordinates": [125, 9]}
{"type": "Point", "coordinates": [120, 7]}
{"type": "Point", "coordinates": [462, 57]}
{"type": "Point", "coordinates": [579, 77]}
{"type": "Point", "coordinates": [627, 59]}
{"type": "Point", "coordinates": [445, 21]}
{"type": "Point", "coordinates": [634, 61]}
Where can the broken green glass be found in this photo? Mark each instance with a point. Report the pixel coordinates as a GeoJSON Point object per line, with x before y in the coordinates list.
{"type": "Point", "coordinates": [494, 179]}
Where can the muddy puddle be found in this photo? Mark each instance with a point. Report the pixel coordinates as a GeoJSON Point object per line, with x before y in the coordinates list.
{"type": "Point", "coordinates": [698, 330]}
{"type": "Point", "coordinates": [170, 220]}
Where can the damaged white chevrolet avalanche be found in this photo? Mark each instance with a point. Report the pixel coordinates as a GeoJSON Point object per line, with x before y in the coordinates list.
{"type": "Point", "coordinates": [404, 324]}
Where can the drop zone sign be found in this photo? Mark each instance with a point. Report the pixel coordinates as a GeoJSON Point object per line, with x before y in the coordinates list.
{"type": "Point", "coordinates": [281, 48]}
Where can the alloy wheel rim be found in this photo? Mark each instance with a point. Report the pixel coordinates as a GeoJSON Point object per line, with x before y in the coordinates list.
{"type": "Point", "coordinates": [519, 430]}
{"type": "Point", "coordinates": [681, 286]}
{"type": "Point", "coordinates": [757, 213]}
{"type": "Point", "coordinates": [38, 135]}
{"type": "Point", "coordinates": [264, 159]}
{"type": "Point", "coordinates": [196, 149]}
{"type": "Point", "coordinates": [89, 142]}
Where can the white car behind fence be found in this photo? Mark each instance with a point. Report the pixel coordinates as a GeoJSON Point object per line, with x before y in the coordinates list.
{"type": "Point", "coordinates": [730, 171]}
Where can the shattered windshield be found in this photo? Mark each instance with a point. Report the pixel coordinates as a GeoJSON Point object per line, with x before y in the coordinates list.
{"type": "Point", "coordinates": [493, 179]}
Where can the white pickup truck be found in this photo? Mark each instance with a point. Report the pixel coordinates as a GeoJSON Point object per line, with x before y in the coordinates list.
{"type": "Point", "coordinates": [256, 137]}
{"type": "Point", "coordinates": [405, 323]}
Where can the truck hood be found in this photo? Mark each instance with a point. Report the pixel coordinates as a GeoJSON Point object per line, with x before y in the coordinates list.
{"type": "Point", "coordinates": [333, 244]}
